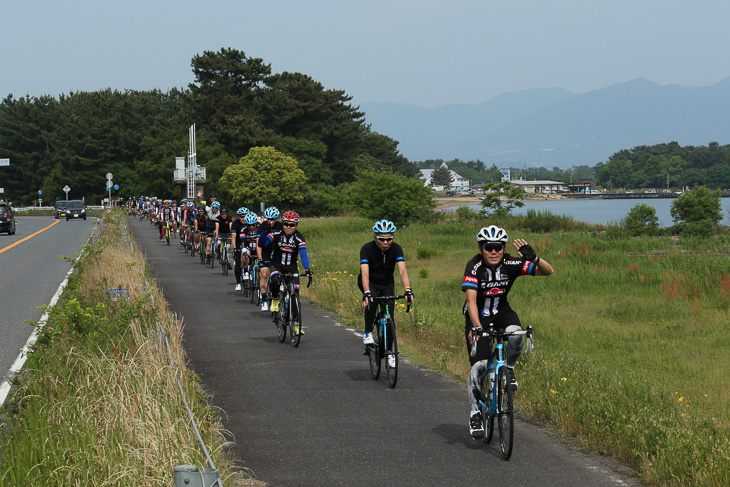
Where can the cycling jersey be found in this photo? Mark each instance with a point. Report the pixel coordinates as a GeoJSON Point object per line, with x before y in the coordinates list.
{"type": "Point", "coordinates": [224, 226]}
{"type": "Point", "coordinates": [202, 222]}
{"type": "Point", "coordinates": [245, 238]}
{"type": "Point", "coordinates": [381, 264]}
{"type": "Point", "coordinates": [211, 218]}
{"type": "Point", "coordinates": [285, 249]}
{"type": "Point", "coordinates": [493, 286]}
{"type": "Point", "coordinates": [165, 214]}
{"type": "Point", "coordinates": [190, 217]}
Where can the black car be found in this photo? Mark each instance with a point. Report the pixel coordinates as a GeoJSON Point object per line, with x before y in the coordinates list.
{"type": "Point", "coordinates": [60, 209]}
{"type": "Point", "coordinates": [7, 218]}
{"type": "Point", "coordinates": [75, 210]}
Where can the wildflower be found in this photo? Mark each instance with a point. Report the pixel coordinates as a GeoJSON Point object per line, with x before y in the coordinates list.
{"type": "Point", "coordinates": [553, 391]}
{"type": "Point", "coordinates": [681, 399]}
{"type": "Point", "coordinates": [564, 379]}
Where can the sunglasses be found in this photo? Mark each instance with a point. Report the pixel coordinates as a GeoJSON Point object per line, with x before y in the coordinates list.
{"type": "Point", "coordinates": [385, 239]}
{"type": "Point", "coordinates": [290, 225]}
{"type": "Point", "coordinates": [492, 247]}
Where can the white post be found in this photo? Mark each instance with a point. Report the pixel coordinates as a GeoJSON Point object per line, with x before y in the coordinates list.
{"type": "Point", "coordinates": [192, 163]}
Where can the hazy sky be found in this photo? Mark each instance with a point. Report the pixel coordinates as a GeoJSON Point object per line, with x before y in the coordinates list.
{"type": "Point", "coordinates": [423, 52]}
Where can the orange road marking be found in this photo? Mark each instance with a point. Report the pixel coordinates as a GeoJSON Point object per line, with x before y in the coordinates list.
{"type": "Point", "coordinates": [28, 237]}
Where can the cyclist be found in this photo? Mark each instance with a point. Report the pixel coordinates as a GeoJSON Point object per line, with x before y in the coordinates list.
{"type": "Point", "coordinates": [378, 260]}
{"type": "Point", "coordinates": [488, 278]}
{"type": "Point", "coordinates": [164, 215]}
{"type": "Point", "coordinates": [238, 243]}
{"type": "Point", "coordinates": [211, 219]}
{"type": "Point", "coordinates": [188, 219]}
{"type": "Point", "coordinates": [264, 254]}
{"type": "Point", "coordinates": [287, 244]}
{"type": "Point", "coordinates": [223, 229]}
{"type": "Point", "coordinates": [201, 222]}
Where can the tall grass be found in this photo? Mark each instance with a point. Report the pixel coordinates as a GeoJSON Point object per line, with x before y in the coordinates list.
{"type": "Point", "coordinates": [631, 334]}
{"type": "Point", "coordinates": [99, 403]}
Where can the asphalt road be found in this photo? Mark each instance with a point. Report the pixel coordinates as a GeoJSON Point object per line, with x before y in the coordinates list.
{"type": "Point", "coordinates": [313, 416]}
{"type": "Point", "coordinates": [30, 273]}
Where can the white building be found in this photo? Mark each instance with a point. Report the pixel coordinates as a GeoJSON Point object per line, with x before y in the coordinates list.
{"type": "Point", "coordinates": [540, 186]}
{"type": "Point", "coordinates": [457, 182]}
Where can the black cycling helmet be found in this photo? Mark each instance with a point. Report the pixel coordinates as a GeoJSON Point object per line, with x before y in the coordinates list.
{"type": "Point", "coordinates": [224, 209]}
{"type": "Point", "coordinates": [201, 208]}
{"type": "Point", "coordinates": [213, 195]}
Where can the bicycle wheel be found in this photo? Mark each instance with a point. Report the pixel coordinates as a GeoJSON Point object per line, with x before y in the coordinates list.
{"type": "Point", "coordinates": [488, 418]}
{"type": "Point", "coordinates": [224, 264]}
{"type": "Point", "coordinates": [295, 316]}
{"type": "Point", "coordinates": [280, 326]}
{"type": "Point", "coordinates": [252, 285]}
{"type": "Point", "coordinates": [505, 413]}
{"type": "Point", "coordinates": [391, 371]}
{"type": "Point", "coordinates": [374, 353]}
{"type": "Point", "coordinates": [213, 255]}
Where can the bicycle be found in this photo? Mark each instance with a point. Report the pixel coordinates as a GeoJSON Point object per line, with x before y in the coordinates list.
{"type": "Point", "coordinates": [214, 253]}
{"type": "Point", "coordinates": [498, 405]}
{"type": "Point", "coordinates": [251, 286]}
{"type": "Point", "coordinates": [290, 309]}
{"type": "Point", "coordinates": [225, 255]}
{"type": "Point", "coordinates": [382, 334]}
{"type": "Point", "coordinates": [166, 231]}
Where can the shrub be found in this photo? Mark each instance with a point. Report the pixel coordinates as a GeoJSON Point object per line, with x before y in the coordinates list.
{"type": "Point", "coordinates": [642, 220]}
{"type": "Point", "coordinates": [697, 212]}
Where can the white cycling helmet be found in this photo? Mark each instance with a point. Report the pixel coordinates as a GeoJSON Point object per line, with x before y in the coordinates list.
{"type": "Point", "coordinates": [492, 233]}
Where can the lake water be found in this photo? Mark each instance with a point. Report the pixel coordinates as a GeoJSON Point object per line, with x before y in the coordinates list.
{"type": "Point", "coordinates": [608, 211]}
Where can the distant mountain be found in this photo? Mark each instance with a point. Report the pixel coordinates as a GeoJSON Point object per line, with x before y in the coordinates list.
{"type": "Point", "coordinates": [553, 127]}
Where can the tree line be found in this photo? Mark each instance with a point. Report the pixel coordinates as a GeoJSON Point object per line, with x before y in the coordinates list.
{"type": "Point", "coordinates": [236, 103]}
{"type": "Point", "coordinates": [660, 166]}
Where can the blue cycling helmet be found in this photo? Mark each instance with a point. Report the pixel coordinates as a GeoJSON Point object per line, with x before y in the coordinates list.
{"type": "Point", "coordinates": [251, 218]}
{"type": "Point", "coordinates": [243, 211]}
{"type": "Point", "coordinates": [191, 204]}
{"type": "Point", "coordinates": [215, 204]}
{"type": "Point", "coordinates": [384, 226]}
{"type": "Point", "coordinates": [271, 213]}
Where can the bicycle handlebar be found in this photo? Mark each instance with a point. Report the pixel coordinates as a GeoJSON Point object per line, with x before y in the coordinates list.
{"type": "Point", "coordinates": [491, 332]}
{"type": "Point", "coordinates": [390, 298]}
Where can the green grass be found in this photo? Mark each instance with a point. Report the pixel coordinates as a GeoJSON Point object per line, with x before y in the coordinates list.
{"type": "Point", "coordinates": [632, 339]}
{"type": "Point", "coordinates": [98, 402]}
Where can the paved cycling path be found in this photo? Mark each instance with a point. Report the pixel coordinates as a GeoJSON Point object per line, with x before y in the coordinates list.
{"type": "Point", "coordinates": [313, 416]}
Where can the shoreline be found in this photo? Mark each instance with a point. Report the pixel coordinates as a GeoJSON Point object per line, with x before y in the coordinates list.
{"type": "Point", "coordinates": [457, 201]}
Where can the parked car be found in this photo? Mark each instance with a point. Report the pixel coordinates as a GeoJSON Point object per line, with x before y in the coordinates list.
{"type": "Point", "coordinates": [75, 210]}
{"type": "Point", "coordinates": [60, 208]}
{"type": "Point", "coordinates": [7, 218]}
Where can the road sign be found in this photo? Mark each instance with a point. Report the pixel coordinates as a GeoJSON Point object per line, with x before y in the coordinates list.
{"type": "Point", "coordinates": [108, 176]}
{"type": "Point", "coordinates": [109, 184]}
{"type": "Point", "coordinates": [116, 186]}
{"type": "Point", "coordinates": [40, 192]}
{"type": "Point", "coordinates": [4, 162]}
{"type": "Point", "coordinates": [66, 189]}
{"type": "Point", "coordinates": [2, 190]}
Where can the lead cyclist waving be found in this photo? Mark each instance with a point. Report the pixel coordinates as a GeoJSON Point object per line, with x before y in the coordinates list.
{"type": "Point", "coordinates": [488, 278]}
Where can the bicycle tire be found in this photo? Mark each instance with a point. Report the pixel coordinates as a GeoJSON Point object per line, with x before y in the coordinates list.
{"type": "Point", "coordinates": [295, 315]}
{"type": "Point", "coordinates": [506, 413]}
{"type": "Point", "coordinates": [392, 372]}
{"type": "Point", "coordinates": [374, 354]}
{"type": "Point", "coordinates": [251, 284]}
{"type": "Point", "coordinates": [212, 255]}
{"type": "Point", "coordinates": [488, 418]}
{"type": "Point", "coordinates": [280, 326]}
